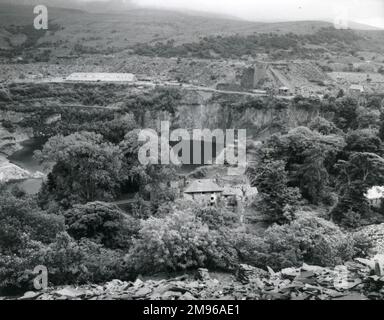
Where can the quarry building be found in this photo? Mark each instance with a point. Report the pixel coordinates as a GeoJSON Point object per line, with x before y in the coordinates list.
{"type": "Point", "coordinates": [102, 77]}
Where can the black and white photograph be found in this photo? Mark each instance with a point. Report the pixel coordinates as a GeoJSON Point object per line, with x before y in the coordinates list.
{"type": "Point", "coordinates": [193, 153]}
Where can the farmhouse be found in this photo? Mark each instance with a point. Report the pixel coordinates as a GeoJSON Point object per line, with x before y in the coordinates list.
{"type": "Point", "coordinates": [204, 191]}
{"type": "Point", "coordinates": [102, 77]}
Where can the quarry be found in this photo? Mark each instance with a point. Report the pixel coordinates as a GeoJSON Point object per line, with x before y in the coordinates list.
{"type": "Point", "coordinates": [151, 154]}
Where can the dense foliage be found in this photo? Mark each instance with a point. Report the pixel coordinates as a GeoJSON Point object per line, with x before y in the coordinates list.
{"type": "Point", "coordinates": [85, 168]}
{"type": "Point", "coordinates": [236, 46]}
{"type": "Point", "coordinates": [73, 229]}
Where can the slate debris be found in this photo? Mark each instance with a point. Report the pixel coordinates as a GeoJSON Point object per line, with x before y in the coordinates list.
{"type": "Point", "coordinates": [246, 273]}
{"type": "Point", "coordinates": [203, 274]}
{"type": "Point", "coordinates": [361, 279]}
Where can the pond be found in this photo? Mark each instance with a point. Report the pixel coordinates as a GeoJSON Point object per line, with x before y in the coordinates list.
{"type": "Point", "coordinates": [24, 159]}
{"type": "Point", "coordinates": [216, 149]}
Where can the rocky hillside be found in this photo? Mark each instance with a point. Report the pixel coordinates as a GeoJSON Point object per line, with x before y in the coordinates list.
{"type": "Point", "coordinates": [33, 106]}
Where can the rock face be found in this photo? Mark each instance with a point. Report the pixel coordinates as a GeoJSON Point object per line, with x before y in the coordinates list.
{"type": "Point", "coordinates": [9, 171]}
{"type": "Point", "coordinates": [10, 141]}
{"type": "Point", "coordinates": [196, 109]}
{"type": "Point", "coordinates": [357, 280]}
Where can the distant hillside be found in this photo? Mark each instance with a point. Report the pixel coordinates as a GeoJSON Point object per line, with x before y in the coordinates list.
{"type": "Point", "coordinates": [74, 4]}
{"type": "Point", "coordinates": [277, 45]}
{"type": "Point", "coordinates": [120, 31]}
{"type": "Point", "coordinates": [79, 32]}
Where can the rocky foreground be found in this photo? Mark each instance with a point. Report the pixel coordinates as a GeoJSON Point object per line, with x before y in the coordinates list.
{"type": "Point", "coordinates": [358, 280]}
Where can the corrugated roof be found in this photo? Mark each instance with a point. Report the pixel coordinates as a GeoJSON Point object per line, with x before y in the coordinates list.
{"type": "Point", "coordinates": [101, 76]}
{"type": "Point", "coordinates": [204, 185]}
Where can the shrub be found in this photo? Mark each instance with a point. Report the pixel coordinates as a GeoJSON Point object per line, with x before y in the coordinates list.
{"type": "Point", "coordinates": [139, 208]}
{"type": "Point", "coordinates": [251, 249]}
{"type": "Point", "coordinates": [308, 239]}
{"type": "Point", "coordinates": [16, 269]}
{"type": "Point", "coordinates": [323, 126]}
{"type": "Point", "coordinates": [70, 261]}
{"type": "Point", "coordinates": [216, 218]}
{"type": "Point", "coordinates": [180, 241]}
{"type": "Point", "coordinates": [363, 244]}
{"type": "Point", "coordinates": [102, 223]}
{"type": "Point", "coordinates": [20, 218]}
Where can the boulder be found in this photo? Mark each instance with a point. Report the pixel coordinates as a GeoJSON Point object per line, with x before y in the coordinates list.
{"type": "Point", "coordinates": [70, 292]}
{"type": "Point", "coordinates": [247, 273]}
{"type": "Point", "coordinates": [30, 295]}
{"type": "Point", "coordinates": [203, 274]}
{"type": "Point", "coordinates": [142, 292]}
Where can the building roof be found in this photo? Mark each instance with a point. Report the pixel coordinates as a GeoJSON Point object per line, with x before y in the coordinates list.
{"type": "Point", "coordinates": [204, 185]}
{"type": "Point", "coordinates": [356, 87]}
{"type": "Point", "coordinates": [101, 76]}
{"type": "Point", "coordinates": [376, 192]}
{"type": "Point", "coordinates": [230, 191]}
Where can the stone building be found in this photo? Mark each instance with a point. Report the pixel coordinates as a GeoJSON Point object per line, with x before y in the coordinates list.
{"type": "Point", "coordinates": [203, 191]}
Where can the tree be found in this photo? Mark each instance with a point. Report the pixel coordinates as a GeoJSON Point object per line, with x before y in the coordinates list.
{"type": "Point", "coordinates": [323, 126]}
{"type": "Point", "coordinates": [365, 169]}
{"type": "Point", "coordinates": [364, 140]}
{"type": "Point", "coordinates": [22, 221]}
{"type": "Point", "coordinates": [356, 175]}
{"type": "Point", "coordinates": [346, 113]}
{"type": "Point", "coordinates": [180, 241]}
{"type": "Point", "coordinates": [85, 168]}
{"type": "Point", "coordinates": [148, 177]}
{"type": "Point", "coordinates": [368, 118]}
{"type": "Point", "coordinates": [312, 175]}
{"type": "Point", "coordinates": [340, 94]}
{"type": "Point", "coordinates": [309, 158]}
{"type": "Point", "coordinates": [102, 223]}
{"type": "Point", "coordinates": [159, 99]}
{"type": "Point", "coordinates": [271, 180]}
{"type": "Point", "coordinates": [381, 129]}
{"type": "Point", "coordinates": [115, 130]}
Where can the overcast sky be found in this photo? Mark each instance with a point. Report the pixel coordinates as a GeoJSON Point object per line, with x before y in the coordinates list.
{"type": "Point", "coordinates": [369, 12]}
